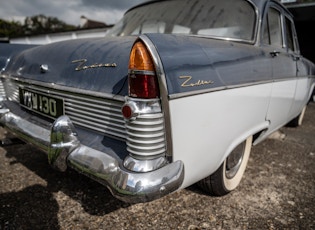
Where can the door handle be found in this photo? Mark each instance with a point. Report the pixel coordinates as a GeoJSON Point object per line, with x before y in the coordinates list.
{"type": "Point", "coordinates": [296, 57]}
{"type": "Point", "coordinates": [274, 53]}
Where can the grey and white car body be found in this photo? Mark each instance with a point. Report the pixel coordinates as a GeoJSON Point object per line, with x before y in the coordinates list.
{"type": "Point", "coordinates": [177, 93]}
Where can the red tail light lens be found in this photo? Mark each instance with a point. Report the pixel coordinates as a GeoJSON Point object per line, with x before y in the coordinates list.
{"type": "Point", "coordinates": [142, 78]}
{"type": "Point", "coordinates": [143, 86]}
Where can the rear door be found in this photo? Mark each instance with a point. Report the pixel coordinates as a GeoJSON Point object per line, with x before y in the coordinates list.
{"type": "Point", "coordinates": [284, 67]}
{"type": "Point", "coordinates": [303, 81]}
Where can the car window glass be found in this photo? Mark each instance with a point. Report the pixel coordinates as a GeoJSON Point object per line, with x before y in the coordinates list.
{"type": "Point", "coordinates": [177, 29]}
{"type": "Point", "coordinates": [150, 27]}
{"type": "Point", "coordinates": [219, 18]}
{"type": "Point", "coordinates": [272, 33]}
{"type": "Point", "coordinates": [289, 34]}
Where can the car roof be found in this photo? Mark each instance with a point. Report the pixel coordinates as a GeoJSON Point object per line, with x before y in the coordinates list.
{"type": "Point", "coordinates": [260, 4]}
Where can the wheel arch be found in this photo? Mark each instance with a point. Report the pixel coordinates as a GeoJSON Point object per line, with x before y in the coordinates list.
{"type": "Point", "coordinates": [255, 131]}
{"type": "Point", "coordinates": [218, 183]}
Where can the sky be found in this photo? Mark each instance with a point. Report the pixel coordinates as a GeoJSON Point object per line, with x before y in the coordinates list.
{"type": "Point", "coordinates": [69, 11]}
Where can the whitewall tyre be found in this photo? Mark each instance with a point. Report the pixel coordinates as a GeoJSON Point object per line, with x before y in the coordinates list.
{"type": "Point", "coordinates": [228, 176]}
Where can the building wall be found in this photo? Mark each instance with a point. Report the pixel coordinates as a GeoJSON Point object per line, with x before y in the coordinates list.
{"type": "Point", "coordinates": [50, 38]}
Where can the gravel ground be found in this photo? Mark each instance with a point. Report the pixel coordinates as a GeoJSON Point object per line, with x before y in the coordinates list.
{"type": "Point", "coordinates": [277, 192]}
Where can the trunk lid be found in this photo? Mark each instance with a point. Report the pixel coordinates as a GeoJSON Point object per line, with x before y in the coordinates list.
{"type": "Point", "coordinates": [99, 65]}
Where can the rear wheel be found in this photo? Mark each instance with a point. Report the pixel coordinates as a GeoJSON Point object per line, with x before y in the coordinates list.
{"type": "Point", "coordinates": [230, 173]}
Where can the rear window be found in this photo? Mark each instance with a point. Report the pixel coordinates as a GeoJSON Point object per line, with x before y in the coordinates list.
{"type": "Point", "coordinates": [217, 18]}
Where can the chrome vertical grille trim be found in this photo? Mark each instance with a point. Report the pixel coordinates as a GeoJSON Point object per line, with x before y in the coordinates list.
{"type": "Point", "coordinates": [2, 90]}
{"type": "Point", "coordinates": [146, 135]}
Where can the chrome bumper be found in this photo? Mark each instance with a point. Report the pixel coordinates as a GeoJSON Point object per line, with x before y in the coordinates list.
{"type": "Point", "coordinates": [64, 149]}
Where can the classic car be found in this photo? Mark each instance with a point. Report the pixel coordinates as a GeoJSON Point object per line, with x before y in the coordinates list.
{"type": "Point", "coordinates": [177, 93]}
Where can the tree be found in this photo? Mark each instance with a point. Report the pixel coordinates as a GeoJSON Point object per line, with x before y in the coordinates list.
{"type": "Point", "coordinates": [10, 29]}
{"type": "Point", "coordinates": [41, 24]}
{"type": "Point", "coordinates": [38, 24]}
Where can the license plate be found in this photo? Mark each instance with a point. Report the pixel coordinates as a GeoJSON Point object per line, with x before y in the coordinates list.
{"type": "Point", "coordinates": [44, 104]}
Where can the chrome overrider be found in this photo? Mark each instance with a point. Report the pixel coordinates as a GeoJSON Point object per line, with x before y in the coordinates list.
{"type": "Point", "coordinates": [64, 149]}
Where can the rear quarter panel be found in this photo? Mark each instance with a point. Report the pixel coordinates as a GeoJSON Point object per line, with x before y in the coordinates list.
{"type": "Point", "coordinates": [206, 127]}
{"type": "Point", "coordinates": [209, 120]}
{"type": "Point", "coordinates": [220, 93]}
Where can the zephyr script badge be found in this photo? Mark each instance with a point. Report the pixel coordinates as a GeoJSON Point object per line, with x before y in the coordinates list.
{"type": "Point", "coordinates": [188, 82]}
{"type": "Point", "coordinates": [82, 66]}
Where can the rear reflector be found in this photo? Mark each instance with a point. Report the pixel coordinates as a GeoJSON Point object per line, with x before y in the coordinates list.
{"type": "Point", "coordinates": [127, 111]}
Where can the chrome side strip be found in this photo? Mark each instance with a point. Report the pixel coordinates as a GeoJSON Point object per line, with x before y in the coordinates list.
{"type": "Point", "coordinates": [198, 92]}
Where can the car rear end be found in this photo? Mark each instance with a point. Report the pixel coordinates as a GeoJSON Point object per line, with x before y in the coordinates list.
{"type": "Point", "coordinates": [108, 122]}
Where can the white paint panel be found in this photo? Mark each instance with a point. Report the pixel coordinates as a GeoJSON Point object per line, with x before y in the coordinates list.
{"type": "Point", "coordinates": [303, 87]}
{"type": "Point", "coordinates": [281, 101]}
{"type": "Point", "coordinates": [206, 127]}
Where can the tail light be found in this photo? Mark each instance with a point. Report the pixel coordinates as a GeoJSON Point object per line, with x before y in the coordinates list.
{"type": "Point", "coordinates": [142, 111]}
{"type": "Point", "coordinates": [142, 77]}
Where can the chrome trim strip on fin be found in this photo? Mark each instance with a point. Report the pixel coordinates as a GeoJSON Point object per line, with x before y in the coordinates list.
{"type": "Point", "coordinates": [163, 92]}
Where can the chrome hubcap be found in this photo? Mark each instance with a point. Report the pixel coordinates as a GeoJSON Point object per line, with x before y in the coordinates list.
{"type": "Point", "coordinates": [234, 161]}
